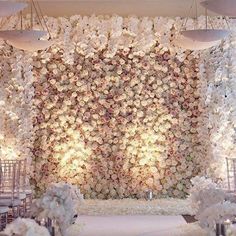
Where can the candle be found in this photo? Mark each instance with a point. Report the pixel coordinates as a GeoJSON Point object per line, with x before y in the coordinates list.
{"type": "Point", "coordinates": [49, 222]}
{"type": "Point", "coordinates": [217, 229]}
{"type": "Point", "coordinates": [223, 230]}
{"type": "Point", "coordinates": [228, 222]}
{"type": "Point", "coordinates": [42, 222]}
{"type": "Point", "coordinates": [53, 231]}
{"type": "Point", "coordinates": [149, 195]}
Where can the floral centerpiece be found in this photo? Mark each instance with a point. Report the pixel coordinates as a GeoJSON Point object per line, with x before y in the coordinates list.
{"type": "Point", "coordinates": [25, 227]}
{"type": "Point", "coordinates": [217, 213]}
{"type": "Point", "coordinates": [59, 203]}
{"type": "Point", "coordinates": [212, 205]}
{"type": "Point", "coordinates": [204, 194]}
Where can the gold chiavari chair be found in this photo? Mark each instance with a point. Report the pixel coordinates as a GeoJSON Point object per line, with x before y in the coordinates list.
{"type": "Point", "coordinates": [3, 211]}
{"type": "Point", "coordinates": [24, 186]}
{"type": "Point", "coordinates": [10, 188]}
{"type": "Point", "coordinates": [3, 217]}
{"type": "Point", "coordinates": [25, 192]}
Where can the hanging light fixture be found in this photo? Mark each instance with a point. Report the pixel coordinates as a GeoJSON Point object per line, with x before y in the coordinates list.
{"type": "Point", "coordinates": [8, 8]}
{"type": "Point", "coordinates": [29, 39]}
{"type": "Point", "coordinates": [190, 44]}
{"type": "Point", "coordinates": [199, 39]}
{"type": "Point", "coordinates": [206, 35]}
{"type": "Point", "coordinates": [22, 34]}
{"type": "Point", "coordinates": [222, 7]}
{"type": "Point", "coordinates": [30, 45]}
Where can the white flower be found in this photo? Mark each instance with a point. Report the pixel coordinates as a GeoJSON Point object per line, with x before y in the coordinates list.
{"type": "Point", "coordinates": [217, 213]}
{"type": "Point", "coordinates": [25, 227]}
{"type": "Point", "coordinates": [205, 193]}
{"type": "Point", "coordinates": [59, 203]}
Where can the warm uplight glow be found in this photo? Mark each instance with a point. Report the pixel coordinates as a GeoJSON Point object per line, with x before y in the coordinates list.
{"type": "Point", "coordinates": [146, 145]}
{"type": "Point", "coordinates": [8, 152]}
{"type": "Point", "coordinates": [72, 155]}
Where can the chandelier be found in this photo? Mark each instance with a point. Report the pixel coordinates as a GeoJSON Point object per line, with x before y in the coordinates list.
{"type": "Point", "coordinates": [29, 39]}
{"type": "Point", "coordinates": [199, 39]}
{"type": "Point", "coordinates": [191, 44]}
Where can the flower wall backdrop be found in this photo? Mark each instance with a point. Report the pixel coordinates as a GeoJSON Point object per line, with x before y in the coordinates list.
{"type": "Point", "coordinates": [117, 108]}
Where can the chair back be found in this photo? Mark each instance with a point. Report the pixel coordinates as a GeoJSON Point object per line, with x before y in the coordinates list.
{"type": "Point", "coordinates": [10, 179]}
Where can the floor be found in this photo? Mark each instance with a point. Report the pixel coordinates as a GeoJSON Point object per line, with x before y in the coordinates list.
{"type": "Point", "coordinates": [136, 225]}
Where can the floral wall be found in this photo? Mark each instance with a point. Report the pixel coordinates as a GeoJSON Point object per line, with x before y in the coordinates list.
{"type": "Point", "coordinates": [113, 107]}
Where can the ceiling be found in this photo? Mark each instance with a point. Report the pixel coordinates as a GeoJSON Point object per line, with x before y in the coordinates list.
{"type": "Point", "coordinates": [150, 8]}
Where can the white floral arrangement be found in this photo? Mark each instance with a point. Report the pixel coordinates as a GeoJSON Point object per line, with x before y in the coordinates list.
{"type": "Point", "coordinates": [25, 227]}
{"type": "Point", "coordinates": [217, 213]}
{"type": "Point", "coordinates": [60, 204]}
{"type": "Point", "coordinates": [211, 204]}
{"type": "Point", "coordinates": [205, 193]}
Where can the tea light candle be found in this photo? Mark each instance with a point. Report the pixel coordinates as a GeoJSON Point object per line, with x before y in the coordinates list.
{"type": "Point", "coordinates": [227, 222]}
{"type": "Point", "coordinates": [42, 222]}
{"type": "Point", "coordinates": [217, 229]}
{"type": "Point", "coordinates": [223, 230]}
{"type": "Point", "coordinates": [149, 195]}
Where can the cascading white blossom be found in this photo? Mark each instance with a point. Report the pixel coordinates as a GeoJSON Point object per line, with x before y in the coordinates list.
{"type": "Point", "coordinates": [16, 109]}
{"type": "Point", "coordinates": [68, 46]}
{"type": "Point", "coordinates": [220, 105]}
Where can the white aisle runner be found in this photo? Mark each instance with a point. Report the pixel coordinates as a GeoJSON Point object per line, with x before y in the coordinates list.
{"type": "Point", "coordinates": [134, 225]}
